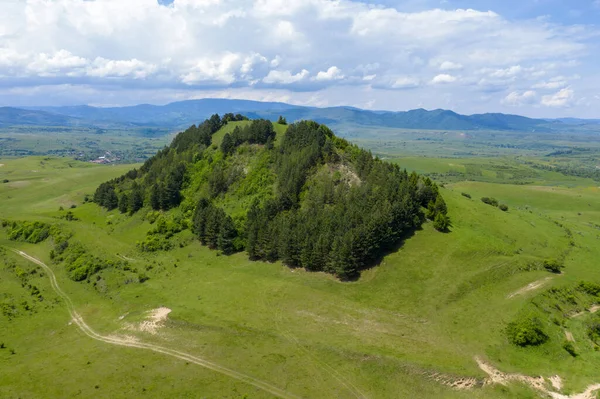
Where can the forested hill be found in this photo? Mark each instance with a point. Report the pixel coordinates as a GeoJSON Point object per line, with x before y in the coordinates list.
{"type": "Point", "coordinates": [294, 193]}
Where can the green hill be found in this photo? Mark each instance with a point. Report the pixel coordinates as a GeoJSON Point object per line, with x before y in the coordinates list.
{"type": "Point", "coordinates": [313, 201]}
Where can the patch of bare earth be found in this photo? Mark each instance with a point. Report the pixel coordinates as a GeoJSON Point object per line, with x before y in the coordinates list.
{"type": "Point", "coordinates": [155, 320]}
{"type": "Point", "coordinates": [592, 310]}
{"type": "Point", "coordinates": [530, 287]}
{"type": "Point", "coordinates": [496, 376]}
{"type": "Point", "coordinates": [569, 336]}
{"type": "Point", "coordinates": [464, 383]}
{"type": "Point", "coordinates": [556, 382]}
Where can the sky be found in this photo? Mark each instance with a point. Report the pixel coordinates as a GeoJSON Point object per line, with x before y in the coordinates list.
{"type": "Point", "coordinates": [537, 58]}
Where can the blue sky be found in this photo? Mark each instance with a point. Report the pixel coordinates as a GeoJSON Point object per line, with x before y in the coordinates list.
{"type": "Point", "coordinates": [530, 57]}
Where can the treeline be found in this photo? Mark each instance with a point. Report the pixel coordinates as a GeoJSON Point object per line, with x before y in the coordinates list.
{"type": "Point", "coordinates": [260, 131]}
{"type": "Point", "coordinates": [159, 181]}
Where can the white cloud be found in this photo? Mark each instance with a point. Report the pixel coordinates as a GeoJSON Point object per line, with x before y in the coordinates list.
{"type": "Point", "coordinates": [550, 85]}
{"type": "Point", "coordinates": [450, 66]}
{"type": "Point", "coordinates": [214, 69]}
{"type": "Point", "coordinates": [51, 65]}
{"type": "Point", "coordinates": [506, 72]}
{"type": "Point", "coordinates": [285, 77]}
{"type": "Point", "coordinates": [561, 99]}
{"type": "Point", "coordinates": [515, 98]}
{"type": "Point", "coordinates": [405, 82]}
{"type": "Point", "coordinates": [136, 69]}
{"type": "Point", "coordinates": [333, 73]}
{"type": "Point", "coordinates": [443, 78]}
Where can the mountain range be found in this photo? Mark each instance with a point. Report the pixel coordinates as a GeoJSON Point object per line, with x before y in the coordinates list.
{"type": "Point", "coordinates": [182, 114]}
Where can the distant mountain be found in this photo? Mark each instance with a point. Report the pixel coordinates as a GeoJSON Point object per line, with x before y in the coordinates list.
{"type": "Point", "coordinates": [182, 114]}
{"type": "Point", "coordinates": [577, 121]}
{"type": "Point", "coordinates": [178, 114]}
{"type": "Point", "coordinates": [16, 117]}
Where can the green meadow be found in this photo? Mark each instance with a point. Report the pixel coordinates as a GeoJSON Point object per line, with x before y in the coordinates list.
{"type": "Point", "coordinates": [409, 327]}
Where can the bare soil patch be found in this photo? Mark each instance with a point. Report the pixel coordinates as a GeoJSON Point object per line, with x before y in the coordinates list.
{"type": "Point", "coordinates": [530, 287]}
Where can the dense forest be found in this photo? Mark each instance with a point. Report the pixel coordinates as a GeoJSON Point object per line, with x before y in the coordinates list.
{"type": "Point", "coordinates": [307, 197]}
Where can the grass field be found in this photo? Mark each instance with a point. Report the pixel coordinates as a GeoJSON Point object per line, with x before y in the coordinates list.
{"type": "Point", "coordinates": [407, 328]}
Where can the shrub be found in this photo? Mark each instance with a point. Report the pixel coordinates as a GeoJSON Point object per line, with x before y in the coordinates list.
{"type": "Point", "coordinates": [503, 207]}
{"type": "Point", "coordinates": [489, 201]}
{"type": "Point", "coordinates": [553, 266]}
{"type": "Point", "coordinates": [466, 195]}
{"type": "Point", "coordinates": [5, 181]}
{"type": "Point", "coordinates": [526, 332]}
{"type": "Point", "coordinates": [594, 332]}
{"type": "Point", "coordinates": [589, 288]}
{"type": "Point", "coordinates": [154, 243]}
{"type": "Point", "coordinates": [441, 222]}
{"type": "Point", "coordinates": [569, 347]}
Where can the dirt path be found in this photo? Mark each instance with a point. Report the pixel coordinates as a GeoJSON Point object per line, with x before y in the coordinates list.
{"type": "Point", "coordinates": [530, 287]}
{"type": "Point", "coordinates": [128, 342]}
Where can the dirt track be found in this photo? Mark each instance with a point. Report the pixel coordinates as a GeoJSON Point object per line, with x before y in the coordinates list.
{"type": "Point", "coordinates": [128, 342]}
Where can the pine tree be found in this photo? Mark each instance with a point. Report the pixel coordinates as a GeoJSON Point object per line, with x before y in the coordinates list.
{"type": "Point", "coordinates": [155, 197]}
{"type": "Point", "coordinates": [227, 145]}
{"type": "Point", "coordinates": [111, 199]}
{"type": "Point", "coordinates": [441, 222]}
{"type": "Point", "coordinates": [123, 203]}
{"type": "Point", "coordinates": [136, 200]}
{"type": "Point", "coordinates": [440, 205]}
{"type": "Point", "coordinates": [227, 235]}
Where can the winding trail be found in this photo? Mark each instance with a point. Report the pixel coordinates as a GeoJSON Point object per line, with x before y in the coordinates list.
{"type": "Point", "coordinates": [128, 342]}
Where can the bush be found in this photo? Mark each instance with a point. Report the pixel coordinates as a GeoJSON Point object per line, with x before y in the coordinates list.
{"type": "Point", "coordinates": [553, 266]}
{"type": "Point", "coordinates": [466, 195]}
{"type": "Point", "coordinates": [154, 243]}
{"type": "Point", "coordinates": [589, 288]}
{"type": "Point", "coordinates": [5, 181]}
{"type": "Point", "coordinates": [441, 222]}
{"type": "Point", "coordinates": [527, 332]}
{"type": "Point", "coordinates": [489, 201]}
{"type": "Point", "coordinates": [594, 332]}
{"type": "Point", "coordinates": [503, 207]}
{"type": "Point", "coordinates": [569, 347]}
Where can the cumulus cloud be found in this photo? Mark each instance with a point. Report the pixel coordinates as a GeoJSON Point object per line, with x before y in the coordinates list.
{"type": "Point", "coordinates": [443, 78]}
{"type": "Point", "coordinates": [561, 99]}
{"type": "Point", "coordinates": [285, 77]}
{"type": "Point", "coordinates": [551, 85]}
{"type": "Point", "coordinates": [333, 73]}
{"type": "Point", "coordinates": [405, 82]}
{"type": "Point", "coordinates": [450, 66]}
{"type": "Point", "coordinates": [516, 98]}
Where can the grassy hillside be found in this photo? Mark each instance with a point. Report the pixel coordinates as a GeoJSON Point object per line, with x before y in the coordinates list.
{"type": "Point", "coordinates": [407, 328]}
